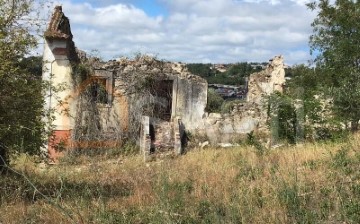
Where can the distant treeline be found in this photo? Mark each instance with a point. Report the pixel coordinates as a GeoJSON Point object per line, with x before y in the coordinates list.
{"type": "Point", "coordinates": [234, 75]}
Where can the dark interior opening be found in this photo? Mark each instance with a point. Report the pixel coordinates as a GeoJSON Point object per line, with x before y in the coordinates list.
{"type": "Point", "coordinates": [162, 90]}
{"type": "Point", "coordinates": [152, 138]}
{"type": "Point", "coordinates": [98, 90]}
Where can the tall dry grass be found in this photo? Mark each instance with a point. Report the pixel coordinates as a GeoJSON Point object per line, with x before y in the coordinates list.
{"type": "Point", "coordinates": [310, 183]}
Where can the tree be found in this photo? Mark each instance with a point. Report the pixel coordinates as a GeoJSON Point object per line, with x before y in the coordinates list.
{"type": "Point", "coordinates": [242, 69]}
{"type": "Point", "coordinates": [336, 41]}
{"type": "Point", "coordinates": [203, 70]}
{"type": "Point", "coordinates": [20, 89]}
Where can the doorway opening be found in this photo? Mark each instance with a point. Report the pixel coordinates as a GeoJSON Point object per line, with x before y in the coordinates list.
{"type": "Point", "coordinates": [162, 90]}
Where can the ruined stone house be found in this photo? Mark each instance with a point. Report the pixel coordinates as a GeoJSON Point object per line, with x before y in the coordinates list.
{"type": "Point", "coordinates": [106, 104]}
{"type": "Point", "coordinates": [97, 104]}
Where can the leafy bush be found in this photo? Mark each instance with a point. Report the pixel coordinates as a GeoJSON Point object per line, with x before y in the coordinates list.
{"type": "Point", "coordinates": [283, 122]}
{"type": "Point", "coordinates": [214, 101]}
{"type": "Point", "coordinates": [298, 116]}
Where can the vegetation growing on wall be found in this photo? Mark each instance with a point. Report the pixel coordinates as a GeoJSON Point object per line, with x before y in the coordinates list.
{"type": "Point", "coordinates": [305, 105]}
{"type": "Point", "coordinates": [87, 132]}
{"type": "Point", "coordinates": [144, 88]}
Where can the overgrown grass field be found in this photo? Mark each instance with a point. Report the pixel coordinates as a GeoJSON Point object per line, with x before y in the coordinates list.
{"type": "Point", "coordinates": [311, 183]}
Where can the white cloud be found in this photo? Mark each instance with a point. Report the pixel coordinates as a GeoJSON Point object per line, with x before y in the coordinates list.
{"type": "Point", "coordinates": [196, 30]}
{"type": "Point", "coordinates": [110, 17]}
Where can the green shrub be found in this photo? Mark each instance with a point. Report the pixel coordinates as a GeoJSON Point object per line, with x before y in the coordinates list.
{"type": "Point", "coordinates": [254, 141]}
{"type": "Point", "coordinates": [214, 102]}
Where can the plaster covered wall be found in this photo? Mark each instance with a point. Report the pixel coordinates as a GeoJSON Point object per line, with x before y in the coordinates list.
{"type": "Point", "coordinates": [57, 72]}
{"type": "Point", "coordinates": [59, 95]}
{"type": "Point", "coordinates": [190, 101]}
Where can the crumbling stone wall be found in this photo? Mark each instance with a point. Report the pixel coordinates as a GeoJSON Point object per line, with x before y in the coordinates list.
{"type": "Point", "coordinates": [249, 116]}
{"type": "Point", "coordinates": [132, 85]}
{"type": "Point", "coordinates": [132, 98]}
{"type": "Point", "coordinates": [232, 127]}
{"type": "Point", "coordinates": [134, 81]}
{"type": "Point", "coordinates": [103, 102]}
{"type": "Point", "coordinates": [267, 81]}
{"type": "Point", "coordinates": [159, 137]}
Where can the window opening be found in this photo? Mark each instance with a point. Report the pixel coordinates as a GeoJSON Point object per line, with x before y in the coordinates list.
{"type": "Point", "coordinates": [99, 91]}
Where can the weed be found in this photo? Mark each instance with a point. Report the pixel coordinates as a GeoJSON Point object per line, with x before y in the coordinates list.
{"type": "Point", "coordinates": [342, 161]}
{"type": "Point", "coordinates": [254, 141]}
{"type": "Point", "coordinates": [318, 185]}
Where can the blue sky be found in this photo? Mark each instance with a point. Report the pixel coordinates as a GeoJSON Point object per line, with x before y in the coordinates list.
{"type": "Point", "coordinates": [208, 31]}
{"type": "Point", "coordinates": [151, 7]}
